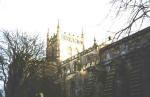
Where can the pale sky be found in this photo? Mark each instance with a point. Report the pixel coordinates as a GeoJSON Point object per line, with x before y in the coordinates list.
{"type": "Point", "coordinates": [36, 16]}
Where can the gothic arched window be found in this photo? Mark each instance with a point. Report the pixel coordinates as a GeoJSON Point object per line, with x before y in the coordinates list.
{"type": "Point", "coordinates": [69, 50]}
{"type": "Point", "coordinates": [76, 50]}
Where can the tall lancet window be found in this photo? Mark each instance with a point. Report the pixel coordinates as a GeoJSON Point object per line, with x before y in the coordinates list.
{"type": "Point", "coordinates": [76, 51]}
{"type": "Point", "coordinates": [69, 50]}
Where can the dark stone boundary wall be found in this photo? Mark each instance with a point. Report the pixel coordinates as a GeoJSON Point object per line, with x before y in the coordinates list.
{"type": "Point", "coordinates": [124, 45]}
{"type": "Point", "coordinates": [128, 73]}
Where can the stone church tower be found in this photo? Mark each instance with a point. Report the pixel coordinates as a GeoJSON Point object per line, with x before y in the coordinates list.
{"type": "Point", "coordinates": [61, 46]}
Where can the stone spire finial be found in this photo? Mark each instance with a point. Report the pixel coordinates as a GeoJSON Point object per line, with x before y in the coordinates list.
{"type": "Point", "coordinates": [58, 27]}
{"type": "Point", "coordinates": [48, 34]}
{"type": "Point", "coordinates": [82, 37]}
{"type": "Point", "coordinates": [95, 43]}
{"type": "Point", "coordinates": [58, 43]}
{"type": "Point", "coordinates": [94, 40]}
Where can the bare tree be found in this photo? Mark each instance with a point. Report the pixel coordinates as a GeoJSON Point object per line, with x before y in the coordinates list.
{"type": "Point", "coordinates": [138, 9]}
{"type": "Point", "coordinates": [21, 54]}
{"type": "Point", "coordinates": [4, 69]}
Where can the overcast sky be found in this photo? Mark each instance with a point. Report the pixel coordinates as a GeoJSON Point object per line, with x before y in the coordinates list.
{"type": "Point", "coordinates": [36, 16]}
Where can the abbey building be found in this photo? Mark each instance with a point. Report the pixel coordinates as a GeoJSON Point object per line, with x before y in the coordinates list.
{"type": "Point", "coordinates": [117, 69]}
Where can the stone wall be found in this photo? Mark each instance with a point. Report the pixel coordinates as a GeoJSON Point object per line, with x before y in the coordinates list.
{"type": "Point", "coordinates": [120, 70]}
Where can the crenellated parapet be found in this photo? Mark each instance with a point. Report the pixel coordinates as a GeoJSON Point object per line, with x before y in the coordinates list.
{"type": "Point", "coordinates": [72, 38]}
{"type": "Point", "coordinates": [124, 45]}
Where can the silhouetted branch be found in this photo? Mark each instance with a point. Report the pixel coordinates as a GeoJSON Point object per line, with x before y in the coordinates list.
{"type": "Point", "coordinates": [139, 11]}
{"type": "Point", "coordinates": [22, 55]}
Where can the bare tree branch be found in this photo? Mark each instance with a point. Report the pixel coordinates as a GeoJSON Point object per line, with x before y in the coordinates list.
{"type": "Point", "coordinates": [21, 54]}
{"type": "Point", "coordinates": [139, 11]}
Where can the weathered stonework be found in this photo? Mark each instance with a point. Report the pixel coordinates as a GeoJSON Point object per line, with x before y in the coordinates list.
{"type": "Point", "coordinates": [119, 69]}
